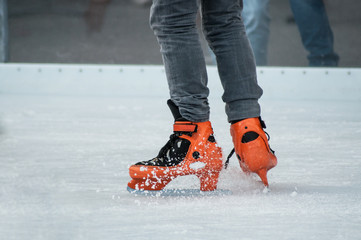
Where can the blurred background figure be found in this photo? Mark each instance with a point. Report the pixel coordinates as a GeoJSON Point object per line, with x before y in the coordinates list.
{"type": "Point", "coordinates": [316, 34]}
{"type": "Point", "coordinates": [94, 15]}
{"type": "Point", "coordinates": [3, 31]}
{"type": "Point", "coordinates": [257, 20]}
{"type": "Point", "coordinates": [143, 3]}
{"type": "Point", "coordinates": [312, 21]}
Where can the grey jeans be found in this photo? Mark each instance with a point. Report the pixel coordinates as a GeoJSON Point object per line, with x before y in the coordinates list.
{"type": "Point", "coordinates": [174, 24]}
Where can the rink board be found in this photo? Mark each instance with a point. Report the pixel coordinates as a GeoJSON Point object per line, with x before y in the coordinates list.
{"type": "Point", "coordinates": [148, 80]}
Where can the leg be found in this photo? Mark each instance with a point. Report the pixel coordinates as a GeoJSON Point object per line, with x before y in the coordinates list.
{"type": "Point", "coordinates": [315, 30]}
{"type": "Point", "coordinates": [226, 36]}
{"type": "Point", "coordinates": [174, 24]}
{"type": "Point", "coordinates": [192, 148]}
{"type": "Point", "coordinates": [256, 20]}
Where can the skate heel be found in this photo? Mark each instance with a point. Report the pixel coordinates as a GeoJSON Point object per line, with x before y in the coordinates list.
{"type": "Point", "coordinates": [208, 181]}
{"type": "Point", "coordinates": [262, 173]}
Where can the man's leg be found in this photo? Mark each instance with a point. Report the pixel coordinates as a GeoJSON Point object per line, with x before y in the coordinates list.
{"type": "Point", "coordinates": [257, 20]}
{"type": "Point", "coordinates": [174, 24]}
{"type": "Point", "coordinates": [315, 30]}
{"type": "Point", "coordinates": [226, 36]}
{"type": "Point", "coordinates": [192, 148]}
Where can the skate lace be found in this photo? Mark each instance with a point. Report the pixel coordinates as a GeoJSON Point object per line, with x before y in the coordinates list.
{"type": "Point", "coordinates": [165, 149]}
{"type": "Point", "coordinates": [233, 150]}
{"type": "Point", "coordinates": [165, 157]}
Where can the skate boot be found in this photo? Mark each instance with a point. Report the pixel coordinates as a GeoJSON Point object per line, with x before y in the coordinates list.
{"type": "Point", "coordinates": [252, 148]}
{"type": "Point", "coordinates": [191, 150]}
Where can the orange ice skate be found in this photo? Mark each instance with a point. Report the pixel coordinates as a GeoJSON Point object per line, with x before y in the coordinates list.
{"type": "Point", "coordinates": [252, 148]}
{"type": "Point", "coordinates": [191, 150]}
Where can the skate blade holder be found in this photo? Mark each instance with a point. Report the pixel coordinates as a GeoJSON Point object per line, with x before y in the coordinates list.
{"type": "Point", "coordinates": [180, 192]}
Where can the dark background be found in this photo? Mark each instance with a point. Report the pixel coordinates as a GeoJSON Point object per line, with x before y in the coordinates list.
{"type": "Point", "coordinates": [117, 32]}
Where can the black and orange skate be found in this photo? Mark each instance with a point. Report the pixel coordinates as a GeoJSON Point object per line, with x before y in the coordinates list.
{"type": "Point", "coordinates": [252, 148]}
{"type": "Point", "coordinates": [191, 150]}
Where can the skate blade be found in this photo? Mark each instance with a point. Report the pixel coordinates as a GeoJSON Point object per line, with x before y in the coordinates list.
{"type": "Point", "coordinates": [180, 192]}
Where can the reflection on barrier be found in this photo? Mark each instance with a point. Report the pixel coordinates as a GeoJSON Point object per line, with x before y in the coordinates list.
{"type": "Point", "coordinates": [148, 81]}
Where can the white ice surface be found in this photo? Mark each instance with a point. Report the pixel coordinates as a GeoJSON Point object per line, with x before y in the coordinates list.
{"type": "Point", "coordinates": [64, 169]}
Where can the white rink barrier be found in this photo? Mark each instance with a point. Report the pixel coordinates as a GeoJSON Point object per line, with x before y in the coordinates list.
{"type": "Point", "coordinates": [298, 83]}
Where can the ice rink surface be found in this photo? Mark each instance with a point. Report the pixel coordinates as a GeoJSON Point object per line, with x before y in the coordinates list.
{"type": "Point", "coordinates": [64, 162]}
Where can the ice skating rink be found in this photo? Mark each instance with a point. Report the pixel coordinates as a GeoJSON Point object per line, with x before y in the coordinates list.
{"type": "Point", "coordinates": [68, 134]}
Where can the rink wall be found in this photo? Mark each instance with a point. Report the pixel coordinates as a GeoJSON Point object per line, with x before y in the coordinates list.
{"type": "Point", "coordinates": [147, 80]}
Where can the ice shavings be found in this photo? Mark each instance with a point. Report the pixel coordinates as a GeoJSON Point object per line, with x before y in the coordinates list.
{"type": "Point", "coordinates": [197, 165]}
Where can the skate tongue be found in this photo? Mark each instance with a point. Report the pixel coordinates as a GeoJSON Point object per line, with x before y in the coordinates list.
{"type": "Point", "coordinates": [175, 111]}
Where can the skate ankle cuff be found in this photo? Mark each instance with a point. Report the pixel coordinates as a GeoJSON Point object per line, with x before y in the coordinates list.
{"type": "Point", "coordinates": [184, 127]}
{"type": "Point", "coordinates": [263, 124]}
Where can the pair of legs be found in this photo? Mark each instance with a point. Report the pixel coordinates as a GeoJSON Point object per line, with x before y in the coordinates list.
{"type": "Point", "coordinates": [174, 24]}
{"type": "Point", "coordinates": [192, 148]}
{"type": "Point", "coordinates": [312, 21]}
